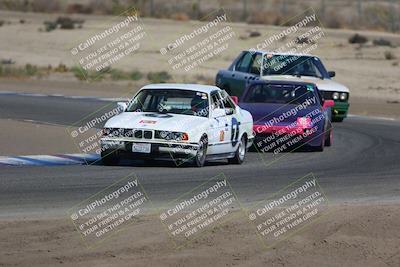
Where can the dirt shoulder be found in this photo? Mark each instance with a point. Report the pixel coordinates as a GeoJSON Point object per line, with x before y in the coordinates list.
{"type": "Point", "coordinates": [23, 138]}
{"type": "Point", "coordinates": [350, 235]}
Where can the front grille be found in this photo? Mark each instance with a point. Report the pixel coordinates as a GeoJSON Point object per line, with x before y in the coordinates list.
{"type": "Point", "coordinates": [138, 134]}
{"type": "Point", "coordinates": [121, 132]}
{"type": "Point", "coordinates": [147, 134]}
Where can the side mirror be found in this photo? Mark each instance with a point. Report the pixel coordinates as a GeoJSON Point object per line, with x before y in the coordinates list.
{"type": "Point", "coordinates": [122, 106]}
{"type": "Point", "coordinates": [235, 99]}
{"type": "Point", "coordinates": [331, 74]}
{"type": "Point", "coordinates": [328, 103]}
{"type": "Point", "coordinates": [218, 112]}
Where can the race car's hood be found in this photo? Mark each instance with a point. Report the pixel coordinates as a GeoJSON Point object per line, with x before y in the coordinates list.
{"type": "Point", "coordinates": [323, 85]}
{"type": "Point", "coordinates": [155, 121]}
{"type": "Point", "coordinates": [263, 113]}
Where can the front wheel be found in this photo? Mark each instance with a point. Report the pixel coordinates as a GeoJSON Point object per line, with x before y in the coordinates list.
{"type": "Point", "coordinates": [240, 153]}
{"type": "Point", "coordinates": [201, 154]}
{"type": "Point", "coordinates": [109, 158]}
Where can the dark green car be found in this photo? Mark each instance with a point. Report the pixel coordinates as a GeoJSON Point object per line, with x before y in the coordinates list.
{"type": "Point", "coordinates": [255, 65]}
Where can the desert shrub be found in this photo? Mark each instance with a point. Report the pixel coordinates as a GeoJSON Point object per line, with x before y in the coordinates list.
{"type": "Point", "coordinates": [136, 75]}
{"type": "Point", "coordinates": [254, 34]}
{"type": "Point", "coordinates": [31, 70]}
{"type": "Point", "coordinates": [302, 40]}
{"type": "Point", "coordinates": [1, 23]}
{"type": "Point", "coordinates": [50, 26]}
{"type": "Point", "coordinates": [65, 23]}
{"type": "Point", "coordinates": [27, 70]}
{"type": "Point", "coordinates": [389, 55]}
{"type": "Point", "coordinates": [60, 68]}
{"type": "Point", "coordinates": [381, 42]}
{"type": "Point", "coordinates": [79, 73]}
{"type": "Point", "coordinates": [358, 39]}
{"type": "Point", "coordinates": [118, 75]}
{"type": "Point", "coordinates": [158, 77]}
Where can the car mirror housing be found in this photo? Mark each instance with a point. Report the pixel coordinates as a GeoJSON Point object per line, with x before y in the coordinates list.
{"type": "Point", "coordinates": [122, 106]}
{"type": "Point", "coordinates": [218, 112]}
{"type": "Point", "coordinates": [331, 74]}
{"type": "Point", "coordinates": [235, 99]}
{"type": "Point", "coordinates": [328, 103]}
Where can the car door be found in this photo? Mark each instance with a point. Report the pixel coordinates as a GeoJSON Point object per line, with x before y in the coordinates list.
{"type": "Point", "coordinates": [233, 123]}
{"type": "Point", "coordinates": [218, 134]}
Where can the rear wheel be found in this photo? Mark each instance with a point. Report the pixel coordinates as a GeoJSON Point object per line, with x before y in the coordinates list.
{"type": "Point", "coordinates": [320, 148]}
{"type": "Point", "coordinates": [109, 158]}
{"type": "Point", "coordinates": [338, 119]}
{"type": "Point", "coordinates": [329, 139]}
{"type": "Point", "coordinates": [201, 154]}
{"type": "Point", "coordinates": [240, 153]}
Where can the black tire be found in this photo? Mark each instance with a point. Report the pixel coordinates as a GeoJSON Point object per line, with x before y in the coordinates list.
{"type": "Point", "coordinates": [319, 148]}
{"type": "Point", "coordinates": [200, 158]}
{"type": "Point", "coordinates": [109, 158]}
{"type": "Point", "coordinates": [337, 119]}
{"type": "Point", "coordinates": [240, 153]}
{"type": "Point", "coordinates": [329, 140]}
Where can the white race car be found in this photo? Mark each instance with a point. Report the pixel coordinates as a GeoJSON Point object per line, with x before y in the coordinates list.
{"type": "Point", "coordinates": [180, 122]}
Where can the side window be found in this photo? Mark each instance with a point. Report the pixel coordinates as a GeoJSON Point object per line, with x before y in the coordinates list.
{"type": "Point", "coordinates": [216, 101]}
{"type": "Point", "coordinates": [227, 101]}
{"type": "Point", "coordinates": [244, 64]}
{"type": "Point", "coordinates": [255, 67]}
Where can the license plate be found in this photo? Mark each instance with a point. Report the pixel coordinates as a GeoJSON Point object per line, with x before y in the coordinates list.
{"type": "Point", "coordinates": [141, 148]}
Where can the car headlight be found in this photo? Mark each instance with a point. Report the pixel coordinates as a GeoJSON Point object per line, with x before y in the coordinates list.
{"type": "Point", "coordinates": [176, 136]}
{"type": "Point", "coordinates": [343, 96]}
{"type": "Point", "coordinates": [335, 96]}
{"type": "Point", "coordinates": [106, 131]}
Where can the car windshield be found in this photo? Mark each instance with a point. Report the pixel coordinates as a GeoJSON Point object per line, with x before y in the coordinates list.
{"type": "Point", "coordinates": [290, 65]}
{"type": "Point", "coordinates": [175, 101]}
{"type": "Point", "coordinates": [281, 94]}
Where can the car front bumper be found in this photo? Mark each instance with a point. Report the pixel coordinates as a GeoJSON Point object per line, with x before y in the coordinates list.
{"type": "Point", "coordinates": [159, 149]}
{"type": "Point", "coordinates": [339, 110]}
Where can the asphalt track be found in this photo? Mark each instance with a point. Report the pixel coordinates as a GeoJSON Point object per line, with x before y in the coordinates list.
{"type": "Point", "coordinates": [361, 166]}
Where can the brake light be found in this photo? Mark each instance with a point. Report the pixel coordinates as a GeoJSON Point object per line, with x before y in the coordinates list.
{"type": "Point", "coordinates": [304, 122]}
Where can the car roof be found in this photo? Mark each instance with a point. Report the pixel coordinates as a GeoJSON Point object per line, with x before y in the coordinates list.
{"type": "Point", "coordinates": [183, 86]}
{"type": "Point", "coordinates": [280, 53]}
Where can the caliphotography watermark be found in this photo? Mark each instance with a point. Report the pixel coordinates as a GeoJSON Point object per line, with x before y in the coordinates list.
{"type": "Point", "coordinates": [195, 213]}
{"type": "Point", "coordinates": [87, 132]}
{"type": "Point", "coordinates": [288, 211]}
{"type": "Point", "coordinates": [119, 40]}
{"type": "Point", "coordinates": [203, 43]}
{"type": "Point", "coordinates": [109, 211]}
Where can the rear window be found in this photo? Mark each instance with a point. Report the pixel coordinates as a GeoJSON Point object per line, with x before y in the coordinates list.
{"type": "Point", "coordinates": [280, 94]}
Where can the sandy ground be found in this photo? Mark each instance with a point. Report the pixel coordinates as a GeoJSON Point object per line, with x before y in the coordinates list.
{"type": "Point", "coordinates": [349, 235]}
{"type": "Point", "coordinates": [365, 71]}
{"type": "Point", "coordinates": [36, 138]}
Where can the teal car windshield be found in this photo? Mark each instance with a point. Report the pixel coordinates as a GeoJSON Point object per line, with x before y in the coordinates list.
{"type": "Point", "coordinates": [291, 65]}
